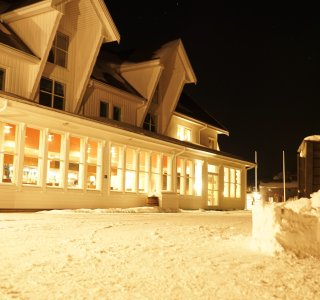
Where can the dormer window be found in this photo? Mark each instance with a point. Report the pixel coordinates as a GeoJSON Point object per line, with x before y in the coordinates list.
{"type": "Point", "coordinates": [116, 113]}
{"type": "Point", "coordinates": [59, 51]}
{"type": "Point", "coordinates": [183, 133]}
{"type": "Point", "coordinates": [52, 93]}
{"type": "Point", "coordinates": [2, 79]}
{"type": "Point", "coordinates": [150, 122]}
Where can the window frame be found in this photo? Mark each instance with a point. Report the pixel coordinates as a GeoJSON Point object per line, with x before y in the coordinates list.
{"type": "Point", "coordinates": [3, 81]}
{"type": "Point", "coordinates": [56, 50]}
{"type": "Point", "coordinates": [53, 95]}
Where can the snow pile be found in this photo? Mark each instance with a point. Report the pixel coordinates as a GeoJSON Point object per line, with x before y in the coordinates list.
{"type": "Point", "coordinates": [292, 225]}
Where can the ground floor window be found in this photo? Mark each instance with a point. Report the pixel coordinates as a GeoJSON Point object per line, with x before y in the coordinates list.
{"type": "Point", "coordinates": [189, 177]}
{"type": "Point", "coordinates": [94, 164]}
{"type": "Point", "coordinates": [32, 159]}
{"type": "Point", "coordinates": [232, 182]}
{"type": "Point", "coordinates": [8, 153]}
{"type": "Point", "coordinates": [213, 185]}
{"type": "Point", "coordinates": [55, 159]}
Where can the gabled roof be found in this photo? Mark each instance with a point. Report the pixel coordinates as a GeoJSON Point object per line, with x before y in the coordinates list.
{"type": "Point", "coordinates": [9, 38]}
{"type": "Point", "coordinates": [189, 107]}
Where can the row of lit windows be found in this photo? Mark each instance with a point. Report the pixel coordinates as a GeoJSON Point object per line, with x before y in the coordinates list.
{"type": "Point", "coordinates": [75, 162]}
{"type": "Point", "coordinates": [63, 160]}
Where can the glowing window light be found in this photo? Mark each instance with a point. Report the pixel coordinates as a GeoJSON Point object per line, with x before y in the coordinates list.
{"type": "Point", "coordinates": [7, 129]}
{"type": "Point", "coordinates": [50, 137]}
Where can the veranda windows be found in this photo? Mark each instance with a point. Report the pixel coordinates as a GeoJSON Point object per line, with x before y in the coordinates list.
{"type": "Point", "coordinates": [144, 162]}
{"type": "Point", "coordinates": [8, 153]}
{"type": "Point", "coordinates": [55, 159]}
{"type": "Point", "coordinates": [32, 159]}
{"type": "Point", "coordinates": [94, 167]}
{"type": "Point", "coordinates": [131, 170]}
{"type": "Point", "coordinates": [232, 182]}
{"type": "Point", "coordinates": [76, 162]}
{"type": "Point", "coordinates": [116, 168]}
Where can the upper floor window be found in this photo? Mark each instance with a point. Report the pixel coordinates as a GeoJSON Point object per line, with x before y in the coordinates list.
{"type": "Point", "coordinates": [183, 133]}
{"type": "Point", "coordinates": [104, 109]}
{"type": "Point", "coordinates": [116, 113]}
{"type": "Point", "coordinates": [2, 78]}
{"type": "Point", "coordinates": [52, 93]}
{"type": "Point", "coordinates": [59, 51]}
{"type": "Point", "coordinates": [150, 123]}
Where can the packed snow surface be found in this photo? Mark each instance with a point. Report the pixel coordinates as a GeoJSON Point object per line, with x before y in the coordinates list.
{"type": "Point", "coordinates": [141, 253]}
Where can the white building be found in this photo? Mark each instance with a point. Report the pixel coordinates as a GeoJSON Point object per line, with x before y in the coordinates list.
{"type": "Point", "coordinates": [81, 129]}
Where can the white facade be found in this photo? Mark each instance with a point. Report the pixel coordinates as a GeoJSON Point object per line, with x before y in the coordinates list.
{"type": "Point", "coordinates": [71, 140]}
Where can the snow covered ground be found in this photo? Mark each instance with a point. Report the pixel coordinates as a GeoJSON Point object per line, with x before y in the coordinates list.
{"type": "Point", "coordinates": [145, 254]}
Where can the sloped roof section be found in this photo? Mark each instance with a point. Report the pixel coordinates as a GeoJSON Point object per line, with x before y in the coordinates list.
{"type": "Point", "coordinates": [9, 38]}
{"type": "Point", "coordinates": [189, 107]}
{"type": "Point", "coordinates": [105, 70]}
{"type": "Point", "coordinates": [6, 5]}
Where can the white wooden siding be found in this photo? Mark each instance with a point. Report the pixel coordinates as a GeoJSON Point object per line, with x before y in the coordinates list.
{"type": "Point", "coordinates": [128, 108]}
{"type": "Point", "coordinates": [41, 28]}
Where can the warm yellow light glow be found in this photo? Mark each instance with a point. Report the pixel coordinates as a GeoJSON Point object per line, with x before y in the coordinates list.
{"type": "Point", "coordinates": [50, 137]}
{"type": "Point", "coordinates": [6, 129]}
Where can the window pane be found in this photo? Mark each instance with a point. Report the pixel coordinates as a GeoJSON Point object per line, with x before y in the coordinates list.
{"type": "Point", "coordinates": [45, 99]}
{"type": "Point", "coordinates": [54, 159]}
{"type": "Point", "coordinates": [61, 58]}
{"type": "Point", "coordinates": [62, 41]}
{"type": "Point", "coordinates": [58, 103]}
{"type": "Point", "coordinates": [58, 89]}
{"type": "Point", "coordinates": [46, 84]}
{"type": "Point", "coordinates": [104, 109]}
{"type": "Point", "coordinates": [116, 113]}
{"type": "Point", "coordinates": [31, 160]}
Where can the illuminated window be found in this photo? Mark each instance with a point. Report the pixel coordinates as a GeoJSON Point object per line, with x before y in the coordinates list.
{"type": "Point", "coordinates": [232, 183]}
{"type": "Point", "coordinates": [59, 51]}
{"type": "Point", "coordinates": [150, 122]}
{"type": "Point", "coordinates": [155, 173]}
{"type": "Point", "coordinates": [76, 162]}
{"type": "Point", "coordinates": [131, 170]}
{"type": "Point", "coordinates": [166, 173]}
{"type": "Point", "coordinates": [94, 168]}
{"type": "Point", "coordinates": [104, 109]}
{"type": "Point", "coordinates": [213, 186]}
{"type": "Point", "coordinates": [212, 143]}
{"type": "Point", "coordinates": [183, 133]}
{"type": "Point", "coordinates": [2, 78]}
{"type": "Point", "coordinates": [55, 160]}
{"type": "Point", "coordinates": [198, 178]}
{"type": "Point", "coordinates": [52, 93]}
{"type": "Point", "coordinates": [189, 177]}
{"type": "Point", "coordinates": [116, 168]}
{"type": "Point", "coordinates": [180, 176]}
{"type": "Point", "coordinates": [116, 113]}
{"type": "Point", "coordinates": [32, 157]}
{"type": "Point", "coordinates": [143, 171]}
{"type": "Point", "coordinates": [8, 155]}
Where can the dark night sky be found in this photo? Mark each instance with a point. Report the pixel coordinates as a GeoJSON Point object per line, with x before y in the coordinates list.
{"type": "Point", "coordinates": [258, 72]}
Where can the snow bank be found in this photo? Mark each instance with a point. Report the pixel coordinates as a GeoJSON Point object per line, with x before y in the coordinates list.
{"type": "Point", "coordinates": [292, 225]}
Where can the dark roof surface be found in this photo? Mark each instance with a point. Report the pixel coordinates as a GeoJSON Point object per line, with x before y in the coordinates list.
{"type": "Point", "coordinates": [105, 70]}
{"type": "Point", "coordinates": [9, 38]}
{"type": "Point", "coordinates": [7, 5]}
{"type": "Point", "coordinates": [189, 107]}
